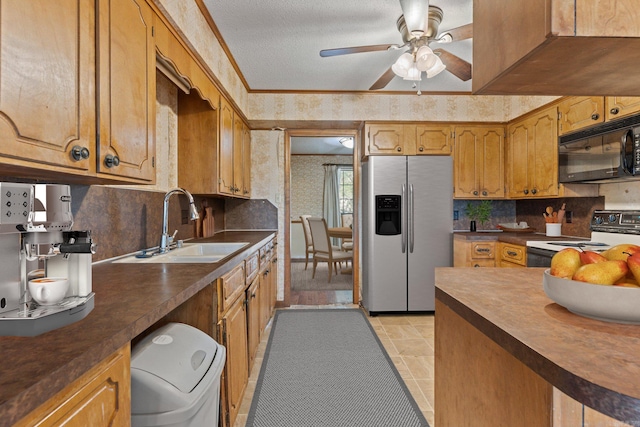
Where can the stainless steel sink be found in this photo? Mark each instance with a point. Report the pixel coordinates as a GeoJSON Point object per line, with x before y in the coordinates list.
{"type": "Point", "coordinates": [190, 253]}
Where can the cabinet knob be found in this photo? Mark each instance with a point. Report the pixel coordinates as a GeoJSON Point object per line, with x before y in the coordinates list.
{"type": "Point", "coordinates": [534, 191]}
{"type": "Point", "coordinates": [111, 160]}
{"type": "Point", "coordinates": [484, 193]}
{"type": "Point", "coordinates": [421, 149]}
{"type": "Point", "coordinates": [476, 265]}
{"type": "Point", "coordinates": [399, 149]}
{"type": "Point", "coordinates": [79, 153]}
{"type": "Point", "coordinates": [614, 110]}
{"type": "Point", "coordinates": [595, 116]}
{"type": "Point", "coordinates": [526, 191]}
{"type": "Point", "coordinates": [475, 193]}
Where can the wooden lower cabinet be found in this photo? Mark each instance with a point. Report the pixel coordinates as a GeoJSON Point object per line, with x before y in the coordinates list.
{"type": "Point", "coordinates": [510, 255]}
{"type": "Point", "coordinates": [474, 253]}
{"type": "Point", "coordinates": [254, 302]}
{"type": "Point", "coordinates": [101, 397]}
{"type": "Point", "coordinates": [233, 330]}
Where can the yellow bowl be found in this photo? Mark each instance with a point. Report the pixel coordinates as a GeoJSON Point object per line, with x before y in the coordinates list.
{"type": "Point", "coordinates": [617, 304]}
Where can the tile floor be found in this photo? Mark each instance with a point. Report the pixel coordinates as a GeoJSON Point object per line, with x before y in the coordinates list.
{"type": "Point", "coordinates": [408, 339]}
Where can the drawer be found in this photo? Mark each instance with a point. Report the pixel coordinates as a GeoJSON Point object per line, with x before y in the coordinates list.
{"type": "Point", "coordinates": [483, 250]}
{"type": "Point", "coordinates": [231, 285]}
{"type": "Point", "coordinates": [513, 253]}
{"type": "Point", "coordinates": [252, 264]}
{"type": "Point", "coordinates": [264, 255]}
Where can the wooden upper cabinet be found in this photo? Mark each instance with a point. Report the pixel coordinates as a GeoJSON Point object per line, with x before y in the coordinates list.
{"type": "Point", "coordinates": [536, 37]}
{"type": "Point", "coordinates": [408, 139]}
{"type": "Point", "coordinates": [246, 161]}
{"type": "Point", "coordinates": [127, 89]}
{"type": "Point", "coordinates": [433, 139]}
{"type": "Point", "coordinates": [479, 162]}
{"type": "Point", "coordinates": [47, 85]}
{"type": "Point", "coordinates": [620, 106]}
{"type": "Point", "coordinates": [225, 148]}
{"type": "Point", "coordinates": [578, 112]}
{"type": "Point", "coordinates": [385, 139]}
{"type": "Point", "coordinates": [238, 163]}
{"type": "Point", "coordinates": [531, 156]}
{"type": "Point", "coordinates": [197, 144]}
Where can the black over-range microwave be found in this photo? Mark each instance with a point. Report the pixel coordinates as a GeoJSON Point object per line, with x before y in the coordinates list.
{"type": "Point", "coordinates": [606, 152]}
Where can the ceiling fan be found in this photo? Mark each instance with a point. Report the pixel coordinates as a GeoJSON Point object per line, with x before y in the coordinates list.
{"type": "Point", "coordinates": [418, 26]}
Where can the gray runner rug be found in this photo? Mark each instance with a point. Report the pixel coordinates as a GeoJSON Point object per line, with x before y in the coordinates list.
{"type": "Point", "coordinates": [328, 368]}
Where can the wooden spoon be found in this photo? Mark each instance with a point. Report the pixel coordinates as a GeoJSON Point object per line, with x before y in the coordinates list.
{"type": "Point", "coordinates": [549, 210]}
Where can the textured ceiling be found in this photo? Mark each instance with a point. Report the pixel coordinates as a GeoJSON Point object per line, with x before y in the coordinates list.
{"type": "Point", "coordinates": [318, 145]}
{"type": "Point", "coordinates": [276, 43]}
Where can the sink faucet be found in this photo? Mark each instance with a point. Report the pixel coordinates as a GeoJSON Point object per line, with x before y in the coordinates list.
{"type": "Point", "coordinates": [193, 215]}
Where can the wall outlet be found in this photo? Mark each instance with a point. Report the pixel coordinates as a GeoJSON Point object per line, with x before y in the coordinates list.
{"type": "Point", "coordinates": [456, 215]}
{"type": "Point", "coordinates": [568, 217]}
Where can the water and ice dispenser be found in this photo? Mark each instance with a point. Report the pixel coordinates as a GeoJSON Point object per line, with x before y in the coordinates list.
{"type": "Point", "coordinates": [388, 215]}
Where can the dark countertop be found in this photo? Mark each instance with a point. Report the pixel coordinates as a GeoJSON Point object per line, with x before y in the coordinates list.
{"type": "Point", "coordinates": [129, 298]}
{"type": "Point", "coordinates": [595, 362]}
{"type": "Point", "coordinates": [512, 237]}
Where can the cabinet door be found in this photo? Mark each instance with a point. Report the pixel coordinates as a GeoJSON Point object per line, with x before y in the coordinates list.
{"type": "Point", "coordinates": [246, 161]}
{"type": "Point", "coordinates": [100, 398]}
{"type": "Point", "coordinates": [579, 112]}
{"type": "Point", "coordinates": [274, 282]}
{"type": "Point", "coordinates": [47, 83]}
{"type": "Point", "coordinates": [433, 139]}
{"type": "Point", "coordinates": [517, 159]}
{"type": "Point", "coordinates": [479, 162]}
{"type": "Point", "coordinates": [253, 320]}
{"type": "Point", "coordinates": [265, 295]}
{"type": "Point", "coordinates": [620, 106]}
{"type": "Point", "coordinates": [238, 145]}
{"type": "Point", "coordinates": [225, 143]}
{"type": "Point", "coordinates": [543, 154]}
{"type": "Point", "coordinates": [127, 89]}
{"type": "Point", "coordinates": [387, 139]}
{"type": "Point", "coordinates": [234, 325]}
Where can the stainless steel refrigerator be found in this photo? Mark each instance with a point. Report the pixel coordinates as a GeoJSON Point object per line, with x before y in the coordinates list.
{"type": "Point", "coordinates": [407, 230]}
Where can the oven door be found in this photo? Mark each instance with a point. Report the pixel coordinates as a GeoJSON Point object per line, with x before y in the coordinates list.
{"type": "Point", "coordinates": [537, 257]}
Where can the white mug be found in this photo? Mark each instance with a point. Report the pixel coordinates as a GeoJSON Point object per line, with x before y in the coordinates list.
{"type": "Point", "coordinates": [48, 290]}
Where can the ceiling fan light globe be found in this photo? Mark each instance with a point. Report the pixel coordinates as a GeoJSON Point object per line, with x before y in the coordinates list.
{"type": "Point", "coordinates": [427, 61]}
{"type": "Point", "coordinates": [405, 60]}
{"type": "Point", "coordinates": [436, 69]}
{"type": "Point", "coordinates": [413, 74]}
{"type": "Point", "coordinates": [399, 70]}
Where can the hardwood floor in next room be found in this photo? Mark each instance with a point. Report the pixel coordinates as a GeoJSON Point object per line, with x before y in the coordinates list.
{"type": "Point", "coordinates": [408, 339]}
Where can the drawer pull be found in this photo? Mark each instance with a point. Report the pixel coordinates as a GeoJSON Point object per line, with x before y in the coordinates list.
{"type": "Point", "coordinates": [512, 253]}
{"type": "Point", "coordinates": [487, 250]}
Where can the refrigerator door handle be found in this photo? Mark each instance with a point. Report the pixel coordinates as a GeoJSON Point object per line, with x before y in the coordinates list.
{"type": "Point", "coordinates": [403, 221]}
{"type": "Point", "coordinates": [411, 219]}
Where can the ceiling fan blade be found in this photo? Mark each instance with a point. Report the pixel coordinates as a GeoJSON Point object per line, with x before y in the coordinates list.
{"type": "Point", "coordinates": [459, 33]}
{"type": "Point", "coordinates": [357, 49]}
{"type": "Point", "coordinates": [455, 65]}
{"type": "Point", "coordinates": [384, 80]}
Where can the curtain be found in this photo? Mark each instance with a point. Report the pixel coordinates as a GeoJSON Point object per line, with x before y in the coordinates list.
{"type": "Point", "coordinates": [331, 198]}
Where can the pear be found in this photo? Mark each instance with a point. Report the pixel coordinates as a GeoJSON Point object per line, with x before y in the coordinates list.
{"type": "Point", "coordinates": [602, 273]}
{"type": "Point", "coordinates": [634, 265]}
{"type": "Point", "coordinates": [565, 263]}
{"type": "Point", "coordinates": [620, 252]}
{"type": "Point", "coordinates": [627, 283]}
{"type": "Point", "coordinates": [591, 257]}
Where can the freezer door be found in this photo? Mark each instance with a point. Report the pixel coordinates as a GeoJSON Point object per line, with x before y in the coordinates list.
{"type": "Point", "coordinates": [384, 263]}
{"type": "Point", "coordinates": [430, 199]}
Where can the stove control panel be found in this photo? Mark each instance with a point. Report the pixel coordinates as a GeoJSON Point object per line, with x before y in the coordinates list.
{"type": "Point", "coordinates": [626, 222]}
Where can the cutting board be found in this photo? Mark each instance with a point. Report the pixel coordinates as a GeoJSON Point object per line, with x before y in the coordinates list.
{"type": "Point", "coordinates": [207, 222]}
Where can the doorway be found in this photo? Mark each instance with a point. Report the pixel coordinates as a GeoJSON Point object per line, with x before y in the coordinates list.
{"type": "Point", "coordinates": [308, 155]}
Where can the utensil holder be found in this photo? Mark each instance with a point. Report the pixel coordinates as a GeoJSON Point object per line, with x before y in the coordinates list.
{"type": "Point", "coordinates": [554, 229]}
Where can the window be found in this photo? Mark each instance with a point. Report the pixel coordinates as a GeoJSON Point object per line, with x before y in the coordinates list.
{"type": "Point", "coordinates": [345, 189]}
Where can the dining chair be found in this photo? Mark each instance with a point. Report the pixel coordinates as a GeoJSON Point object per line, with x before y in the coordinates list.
{"type": "Point", "coordinates": [347, 221]}
{"type": "Point", "coordinates": [308, 241]}
{"type": "Point", "coordinates": [323, 251]}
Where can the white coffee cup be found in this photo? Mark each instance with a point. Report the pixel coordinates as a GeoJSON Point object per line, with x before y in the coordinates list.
{"type": "Point", "coordinates": [48, 290]}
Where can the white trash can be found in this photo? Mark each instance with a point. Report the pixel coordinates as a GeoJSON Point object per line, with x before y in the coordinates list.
{"type": "Point", "coordinates": [175, 378]}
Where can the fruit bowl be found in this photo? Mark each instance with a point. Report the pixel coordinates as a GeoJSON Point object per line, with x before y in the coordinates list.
{"type": "Point", "coordinates": [609, 303]}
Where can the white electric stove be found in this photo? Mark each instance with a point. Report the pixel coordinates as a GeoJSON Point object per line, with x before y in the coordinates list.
{"type": "Point", "coordinates": [608, 228]}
